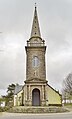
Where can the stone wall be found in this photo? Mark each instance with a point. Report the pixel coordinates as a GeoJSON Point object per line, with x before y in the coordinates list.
{"type": "Point", "coordinates": [35, 72]}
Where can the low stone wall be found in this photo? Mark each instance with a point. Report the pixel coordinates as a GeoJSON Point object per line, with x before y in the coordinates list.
{"type": "Point", "coordinates": [23, 109]}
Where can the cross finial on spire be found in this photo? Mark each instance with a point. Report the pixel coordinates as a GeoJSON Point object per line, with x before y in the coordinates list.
{"type": "Point", "coordinates": [35, 4]}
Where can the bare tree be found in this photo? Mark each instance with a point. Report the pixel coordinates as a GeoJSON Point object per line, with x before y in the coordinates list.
{"type": "Point", "coordinates": [67, 87]}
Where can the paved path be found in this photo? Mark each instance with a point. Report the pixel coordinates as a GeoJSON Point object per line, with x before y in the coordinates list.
{"type": "Point", "coordinates": [36, 116]}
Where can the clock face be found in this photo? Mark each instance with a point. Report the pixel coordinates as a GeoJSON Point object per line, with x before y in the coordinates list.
{"type": "Point", "coordinates": [35, 62]}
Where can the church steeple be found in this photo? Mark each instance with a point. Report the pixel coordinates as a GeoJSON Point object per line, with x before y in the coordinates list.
{"type": "Point", "coordinates": [35, 26]}
{"type": "Point", "coordinates": [35, 67]}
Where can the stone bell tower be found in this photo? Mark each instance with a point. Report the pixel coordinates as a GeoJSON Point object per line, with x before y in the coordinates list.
{"type": "Point", "coordinates": [35, 83]}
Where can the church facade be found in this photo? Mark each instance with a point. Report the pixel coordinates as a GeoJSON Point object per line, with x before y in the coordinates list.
{"type": "Point", "coordinates": [36, 91]}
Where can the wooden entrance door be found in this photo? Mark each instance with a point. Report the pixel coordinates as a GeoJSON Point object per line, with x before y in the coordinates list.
{"type": "Point", "coordinates": [36, 97]}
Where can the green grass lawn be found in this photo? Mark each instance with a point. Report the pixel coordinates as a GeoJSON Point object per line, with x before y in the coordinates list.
{"type": "Point", "coordinates": [68, 106]}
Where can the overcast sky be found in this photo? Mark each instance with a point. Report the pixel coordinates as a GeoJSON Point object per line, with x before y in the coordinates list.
{"type": "Point", "coordinates": [55, 19]}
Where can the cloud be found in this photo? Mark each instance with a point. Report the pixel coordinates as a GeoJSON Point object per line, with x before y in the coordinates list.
{"type": "Point", "coordinates": [12, 60]}
{"type": "Point", "coordinates": [59, 65]}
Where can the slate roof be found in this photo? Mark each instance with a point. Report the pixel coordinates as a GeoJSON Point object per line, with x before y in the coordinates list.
{"type": "Point", "coordinates": [17, 88]}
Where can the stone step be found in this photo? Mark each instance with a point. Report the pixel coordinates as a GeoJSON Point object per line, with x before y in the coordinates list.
{"type": "Point", "coordinates": [24, 109]}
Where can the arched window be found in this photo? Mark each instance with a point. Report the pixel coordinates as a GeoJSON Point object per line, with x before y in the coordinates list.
{"type": "Point", "coordinates": [35, 62]}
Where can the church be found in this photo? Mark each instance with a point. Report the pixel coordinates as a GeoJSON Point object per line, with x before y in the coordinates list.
{"type": "Point", "coordinates": [36, 90]}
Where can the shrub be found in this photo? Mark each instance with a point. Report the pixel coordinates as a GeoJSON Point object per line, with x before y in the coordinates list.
{"type": "Point", "coordinates": [3, 109]}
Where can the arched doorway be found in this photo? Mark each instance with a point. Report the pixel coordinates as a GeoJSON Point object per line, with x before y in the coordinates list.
{"type": "Point", "coordinates": [36, 97]}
